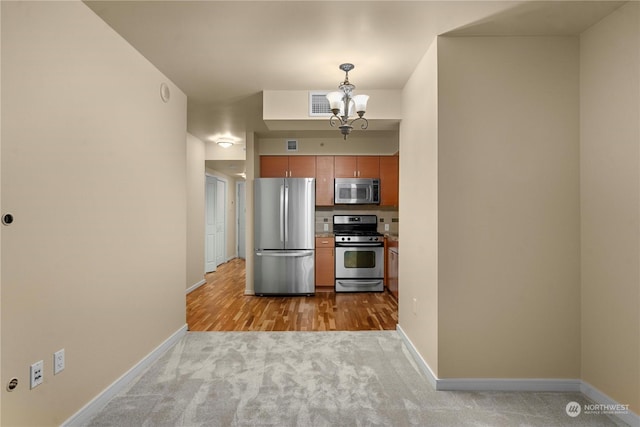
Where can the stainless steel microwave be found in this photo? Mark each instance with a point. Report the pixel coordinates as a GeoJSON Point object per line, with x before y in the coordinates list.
{"type": "Point", "coordinates": [357, 191]}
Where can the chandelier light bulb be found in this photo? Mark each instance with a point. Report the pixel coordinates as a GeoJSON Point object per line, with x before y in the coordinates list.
{"type": "Point", "coordinates": [360, 102]}
{"type": "Point", "coordinates": [335, 101]}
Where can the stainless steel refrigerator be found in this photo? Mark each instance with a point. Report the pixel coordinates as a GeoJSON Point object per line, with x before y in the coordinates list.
{"type": "Point", "coordinates": [284, 236]}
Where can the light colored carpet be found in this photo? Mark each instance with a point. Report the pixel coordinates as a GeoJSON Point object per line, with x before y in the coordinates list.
{"type": "Point", "coordinates": [315, 379]}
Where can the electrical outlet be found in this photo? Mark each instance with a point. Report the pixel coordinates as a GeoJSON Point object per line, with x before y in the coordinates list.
{"type": "Point", "coordinates": [386, 227]}
{"type": "Point", "coordinates": [58, 361]}
{"type": "Point", "coordinates": [37, 374]}
{"type": "Point", "coordinates": [326, 227]}
{"type": "Point", "coordinates": [415, 306]}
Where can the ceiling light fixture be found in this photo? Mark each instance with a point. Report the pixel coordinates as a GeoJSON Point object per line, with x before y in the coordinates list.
{"type": "Point", "coordinates": [224, 142]}
{"type": "Point", "coordinates": [341, 103]}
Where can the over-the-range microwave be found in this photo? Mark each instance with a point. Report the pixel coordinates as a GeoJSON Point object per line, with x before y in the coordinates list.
{"type": "Point", "coordinates": [357, 191]}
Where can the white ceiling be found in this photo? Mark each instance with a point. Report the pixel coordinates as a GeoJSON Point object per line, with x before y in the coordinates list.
{"type": "Point", "coordinates": [222, 54]}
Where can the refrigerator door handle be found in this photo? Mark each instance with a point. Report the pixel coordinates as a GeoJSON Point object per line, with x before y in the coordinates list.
{"type": "Point", "coordinates": [286, 213]}
{"type": "Point", "coordinates": [285, 253]}
{"type": "Point", "coordinates": [282, 213]}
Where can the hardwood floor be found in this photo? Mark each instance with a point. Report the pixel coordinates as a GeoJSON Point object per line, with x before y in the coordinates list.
{"type": "Point", "coordinates": [220, 305]}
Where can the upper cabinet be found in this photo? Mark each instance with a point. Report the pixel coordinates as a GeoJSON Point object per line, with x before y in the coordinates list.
{"type": "Point", "coordinates": [357, 166]}
{"type": "Point", "coordinates": [324, 180]}
{"type": "Point", "coordinates": [287, 166]}
{"type": "Point", "coordinates": [389, 171]}
{"type": "Point", "coordinates": [325, 168]}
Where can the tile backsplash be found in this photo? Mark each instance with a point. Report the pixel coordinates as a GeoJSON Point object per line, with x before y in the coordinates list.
{"type": "Point", "coordinates": [324, 217]}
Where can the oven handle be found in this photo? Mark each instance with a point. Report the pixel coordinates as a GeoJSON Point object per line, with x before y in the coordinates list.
{"type": "Point", "coordinates": [357, 245]}
{"type": "Point", "coordinates": [358, 282]}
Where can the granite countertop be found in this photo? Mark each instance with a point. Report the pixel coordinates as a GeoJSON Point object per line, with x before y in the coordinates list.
{"type": "Point", "coordinates": [325, 234]}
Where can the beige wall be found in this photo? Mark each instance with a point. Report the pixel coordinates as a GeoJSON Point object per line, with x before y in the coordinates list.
{"type": "Point", "coordinates": [538, 207]}
{"type": "Point", "coordinates": [93, 167]}
{"type": "Point", "coordinates": [508, 207]}
{"type": "Point", "coordinates": [1, 211]}
{"type": "Point", "coordinates": [195, 210]}
{"type": "Point", "coordinates": [331, 143]}
{"type": "Point", "coordinates": [491, 265]}
{"type": "Point", "coordinates": [610, 198]}
{"type": "Point", "coordinates": [418, 263]}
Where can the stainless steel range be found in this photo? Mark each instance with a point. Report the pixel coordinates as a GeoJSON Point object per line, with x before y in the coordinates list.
{"type": "Point", "coordinates": [359, 253]}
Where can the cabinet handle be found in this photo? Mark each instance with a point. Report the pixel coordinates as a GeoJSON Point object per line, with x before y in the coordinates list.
{"type": "Point", "coordinates": [324, 242]}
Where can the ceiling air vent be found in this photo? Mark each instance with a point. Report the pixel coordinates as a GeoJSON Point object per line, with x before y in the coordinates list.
{"type": "Point", "coordinates": [292, 145]}
{"type": "Point", "coordinates": [319, 104]}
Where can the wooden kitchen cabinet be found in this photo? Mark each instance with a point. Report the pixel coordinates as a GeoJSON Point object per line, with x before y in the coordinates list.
{"type": "Point", "coordinates": [325, 262]}
{"type": "Point", "coordinates": [357, 166]}
{"type": "Point", "coordinates": [274, 166]}
{"type": "Point", "coordinates": [392, 281]}
{"type": "Point", "coordinates": [302, 166]}
{"type": "Point", "coordinates": [324, 180]}
{"type": "Point", "coordinates": [287, 166]}
{"type": "Point", "coordinates": [389, 171]}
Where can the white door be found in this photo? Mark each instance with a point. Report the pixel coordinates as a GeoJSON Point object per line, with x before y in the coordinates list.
{"type": "Point", "coordinates": [210, 225]}
{"type": "Point", "coordinates": [241, 220]}
{"type": "Point", "coordinates": [220, 219]}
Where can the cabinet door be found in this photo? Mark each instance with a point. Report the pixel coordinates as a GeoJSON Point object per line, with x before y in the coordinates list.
{"type": "Point", "coordinates": [393, 283]}
{"type": "Point", "coordinates": [302, 166]}
{"type": "Point", "coordinates": [389, 180]}
{"type": "Point", "coordinates": [325, 261]}
{"type": "Point", "coordinates": [274, 166]}
{"type": "Point", "coordinates": [346, 166]}
{"type": "Point", "coordinates": [324, 180]}
{"type": "Point", "coordinates": [368, 167]}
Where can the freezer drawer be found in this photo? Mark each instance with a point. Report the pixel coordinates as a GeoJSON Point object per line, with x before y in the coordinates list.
{"type": "Point", "coordinates": [284, 272]}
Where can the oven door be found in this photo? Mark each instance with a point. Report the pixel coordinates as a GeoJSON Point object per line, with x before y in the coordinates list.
{"type": "Point", "coordinates": [360, 262]}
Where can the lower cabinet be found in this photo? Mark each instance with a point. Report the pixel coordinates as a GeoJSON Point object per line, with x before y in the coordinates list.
{"type": "Point", "coordinates": [325, 262]}
{"type": "Point", "coordinates": [392, 281]}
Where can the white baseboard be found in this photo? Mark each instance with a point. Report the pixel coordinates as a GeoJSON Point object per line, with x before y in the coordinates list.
{"type": "Point", "coordinates": [523, 384]}
{"type": "Point", "coordinates": [422, 364]}
{"type": "Point", "coordinates": [196, 286]}
{"type": "Point", "coordinates": [509, 384]}
{"type": "Point", "coordinates": [100, 401]}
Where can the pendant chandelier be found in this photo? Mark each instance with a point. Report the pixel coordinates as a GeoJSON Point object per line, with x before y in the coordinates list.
{"type": "Point", "coordinates": [343, 102]}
